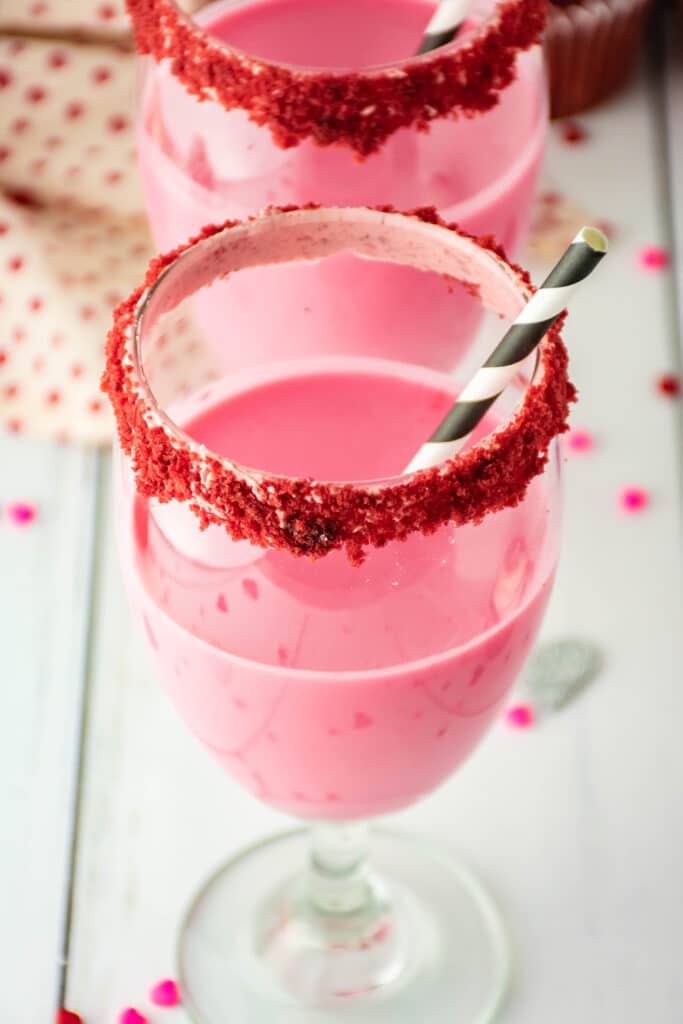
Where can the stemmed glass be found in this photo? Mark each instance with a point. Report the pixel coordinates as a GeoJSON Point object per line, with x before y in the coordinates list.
{"type": "Point", "coordinates": [339, 648]}
{"type": "Point", "coordinates": [477, 163]}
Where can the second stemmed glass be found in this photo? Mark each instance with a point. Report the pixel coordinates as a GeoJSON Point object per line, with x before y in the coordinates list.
{"type": "Point", "coordinates": [477, 163]}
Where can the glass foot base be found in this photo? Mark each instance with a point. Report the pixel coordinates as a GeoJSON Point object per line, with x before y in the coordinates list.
{"type": "Point", "coordinates": [452, 966]}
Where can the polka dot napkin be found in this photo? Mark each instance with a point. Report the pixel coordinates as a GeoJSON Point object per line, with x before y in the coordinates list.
{"type": "Point", "coordinates": [73, 236]}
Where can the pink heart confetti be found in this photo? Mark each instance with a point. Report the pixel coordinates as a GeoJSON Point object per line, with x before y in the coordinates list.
{"type": "Point", "coordinates": [633, 499]}
{"type": "Point", "coordinates": [21, 513]}
{"type": "Point", "coordinates": [131, 1016]}
{"type": "Point", "coordinates": [654, 257]}
{"type": "Point", "coordinates": [520, 716]}
{"type": "Point", "coordinates": [165, 993]}
{"type": "Point", "coordinates": [580, 441]}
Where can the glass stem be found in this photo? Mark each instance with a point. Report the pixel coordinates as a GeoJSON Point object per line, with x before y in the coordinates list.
{"type": "Point", "coordinates": [331, 932]}
{"type": "Point", "coordinates": [339, 880]}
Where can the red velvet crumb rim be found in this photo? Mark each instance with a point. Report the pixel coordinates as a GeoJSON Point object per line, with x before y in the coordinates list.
{"type": "Point", "coordinates": [311, 517]}
{"type": "Point", "coordinates": [359, 109]}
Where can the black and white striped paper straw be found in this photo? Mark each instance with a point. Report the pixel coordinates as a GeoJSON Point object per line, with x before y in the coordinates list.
{"type": "Point", "coordinates": [444, 24]}
{"type": "Point", "coordinates": [523, 336]}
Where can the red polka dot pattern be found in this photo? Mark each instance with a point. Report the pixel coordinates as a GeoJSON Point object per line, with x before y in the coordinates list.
{"type": "Point", "coordinates": [74, 110]}
{"type": "Point", "coordinates": [52, 120]}
{"type": "Point", "coordinates": [35, 94]}
{"type": "Point", "coordinates": [65, 127]}
{"type": "Point", "coordinates": [94, 19]}
{"type": "Point", "coordinates": [73, 238]}
{"type": "Point", "coordinates": [57, 59]}
{"type": "Point", "coordinates": [57, 312]}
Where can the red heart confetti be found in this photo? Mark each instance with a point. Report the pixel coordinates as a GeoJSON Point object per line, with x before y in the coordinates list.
{"type": "Point", "coordinates": [573, 132]}
{"type": "Point", "coordinates": [669, 384]}
{"type": "Point", "coordinates": [67, 1017]}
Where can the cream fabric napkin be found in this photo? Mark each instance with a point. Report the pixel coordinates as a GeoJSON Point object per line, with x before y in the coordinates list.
{"type": "Point", "coordinates": [73, 235]}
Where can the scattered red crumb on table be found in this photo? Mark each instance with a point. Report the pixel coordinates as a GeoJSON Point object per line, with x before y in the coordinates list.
{"type": "Point", "coordinates": [669, 384]}
{"type": "Point", "coordinates": [580, 441]}
{"type": "Point", "coordinates": [21, 513]}
{"type": "Point", "coordinates": [573, 132]}
{"type": "Point", "coordinates": [633, 499]}
{"type": "Point", "coordinates": [520, 716]}
{"type": "Point", "coordinates": [165, 993]}
{"type": "Point", "coordinates": [654, 257]}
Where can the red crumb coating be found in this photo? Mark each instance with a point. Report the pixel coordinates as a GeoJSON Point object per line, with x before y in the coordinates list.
{"type": "Point", "coordinates": [357, 109]}
{"type": "Point", "coordinates": [308, 517]}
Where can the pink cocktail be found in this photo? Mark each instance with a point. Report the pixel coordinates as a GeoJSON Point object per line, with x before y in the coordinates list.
{"type": "Point", "coordinates": [335, 679]}
{"type": "Point", "coordinates": [201, 163]}
{"type": "Point", "coordinates": [333, 691]}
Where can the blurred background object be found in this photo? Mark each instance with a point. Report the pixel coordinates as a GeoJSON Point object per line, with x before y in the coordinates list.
{"type": "Point", "coordinates": [592, 47]}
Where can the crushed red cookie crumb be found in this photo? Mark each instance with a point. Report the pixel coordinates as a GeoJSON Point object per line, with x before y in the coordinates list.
{"type": "Point", "coordinates": [21, 513]}
{"type": "Point", "coordinates": [521, 716]}
{"type": "Point", "coordinates": [309, 517]}
{"type": "Point", "coordinates": [634, 499]}
{"type": "Point", "coordinates": [669, 384]}
{"type": "Point", "coordinates": [165, 993]}
{"type": "Point", "coordinates": [580, 440]}
{"type": "Point", "coordinates": [654, 257]}
{"type": "Point", "coordinates": [359, 109]}
{"type": "Point", "coordinates": [573, 132]}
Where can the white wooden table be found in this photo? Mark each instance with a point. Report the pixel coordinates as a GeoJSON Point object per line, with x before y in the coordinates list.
{"type": "Point", "coordinates": [112, 814]}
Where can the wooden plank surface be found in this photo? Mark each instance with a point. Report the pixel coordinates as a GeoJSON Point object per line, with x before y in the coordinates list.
{"type": "Point", "coordinates": [157, 816]}
{"type": "Point", "coordinates": [673, 131]}
{"type": "Point", "coordinates": [578, 825]}
{"type": "Point", "coordinates": [45, 594]}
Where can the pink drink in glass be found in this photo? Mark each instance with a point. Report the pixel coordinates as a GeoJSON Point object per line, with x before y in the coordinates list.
{"type": "Point", "coordinates": [201, 163]}
{"type": "Point", "coordinates": [332, 691]}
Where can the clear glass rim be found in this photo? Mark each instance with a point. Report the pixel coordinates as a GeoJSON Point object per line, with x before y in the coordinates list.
{"type": "Point", "coordinates": [301, 514]}
{"type": "Point", "coordinates": [360, 109]}
{"type": "Point", "coordinates": [461, 210]}
{"type": "Point", "coordinates": [200, 17]}
{"type": "Point", "coordinates": [251, 472]}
